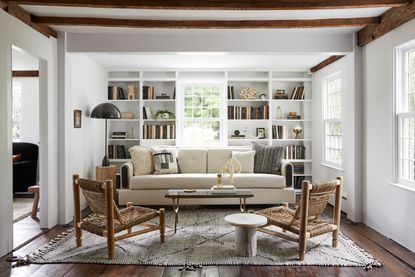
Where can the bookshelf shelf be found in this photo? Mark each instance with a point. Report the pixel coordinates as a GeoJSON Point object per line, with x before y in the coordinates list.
{"type": "Point", "coordinates": [154, 82]}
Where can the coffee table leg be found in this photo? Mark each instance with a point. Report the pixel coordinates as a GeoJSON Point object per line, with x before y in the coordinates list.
{"type": "Point", "coordinates": [176, 212]}
{"type": "Point", "coordinates": [242, 206]}
{"type": "Point", "coordinates": [245, 241]}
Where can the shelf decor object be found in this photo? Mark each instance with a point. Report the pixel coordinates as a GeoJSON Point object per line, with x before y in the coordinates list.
{"type": "Point", "coordinates": [164, 114]}
{"type": "Point", "coordinates": [297, 131]}
{"type": "Point", "coordinates": [248, 93]}
{"type": "Point", "coordinates": [106, 111]}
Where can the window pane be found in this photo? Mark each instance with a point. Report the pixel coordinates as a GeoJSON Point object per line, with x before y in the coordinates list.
{"type": "Point", "coordinates": [411, 81]}
{"type": "Point", "coordinates": [407, 141]}
{"type": "Point", "coordinates": [16, 110]}
{"type": "Point", "coordinates": [202, 115]}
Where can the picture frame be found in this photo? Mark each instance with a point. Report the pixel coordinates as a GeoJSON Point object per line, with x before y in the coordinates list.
{"type": "Point", "coordinates": [77, 119]}
{"type": "Point", "coordinates": [260, 133]}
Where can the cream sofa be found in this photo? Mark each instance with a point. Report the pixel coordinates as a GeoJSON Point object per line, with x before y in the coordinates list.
{"type": "Point", "coordinates": [199, 168]}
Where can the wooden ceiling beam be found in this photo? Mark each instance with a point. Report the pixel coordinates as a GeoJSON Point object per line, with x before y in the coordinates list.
{"type": "Point", "coordinates": [220, 5]}
{"type": "Point", "coordinates": [25, 73]}
{"type": "Point", "coordinates": [326, 62]}
{"type": "Point", "coordinates": [3, 5]}
{"type": "Point", "coordinates": [390, 20]}
{"type": "Point", "coordinates": [205, 24]}
{"type": "Point", "coordinates": [24, 16]}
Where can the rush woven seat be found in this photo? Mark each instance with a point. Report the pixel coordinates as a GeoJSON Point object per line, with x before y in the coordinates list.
{"type": "Point", "coordinates": [107, 219]}
{"type": "Point", "coordinates": [304, 221]}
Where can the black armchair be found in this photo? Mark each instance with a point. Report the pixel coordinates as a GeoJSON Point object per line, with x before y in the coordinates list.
{"type": "Point", "coordinates": [25, 171]}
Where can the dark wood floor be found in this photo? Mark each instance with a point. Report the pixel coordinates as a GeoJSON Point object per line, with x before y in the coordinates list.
{"type": "Point", "coordinates": [398, 262]}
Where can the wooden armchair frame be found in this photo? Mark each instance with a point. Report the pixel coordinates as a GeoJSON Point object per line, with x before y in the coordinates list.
{"type": "Point", "coordinates": [304, 222]}
{"type": "Point", "coordinates": [109, 219]}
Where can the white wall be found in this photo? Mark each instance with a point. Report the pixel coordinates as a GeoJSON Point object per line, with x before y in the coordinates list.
{"type": "Point", "coordinates": [351, 141]}
{"type": "Point", "coordinates": [387, 208]}
{"type": "Point", "coordinates": [14, 32]}
{"type": "Point", "coordinates": [84, 87]}
{"type": "Point", "coordinates": [29, 126]}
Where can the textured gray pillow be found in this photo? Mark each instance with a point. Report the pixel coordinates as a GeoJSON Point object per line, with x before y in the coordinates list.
{"type": "Point", "coordinates": [165, 162]}
{"type": "Point", "coordinates": [267, 158]}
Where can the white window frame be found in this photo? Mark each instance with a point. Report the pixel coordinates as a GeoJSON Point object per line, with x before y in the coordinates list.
{"type": "Point", "coordinates": [400, 108]}
{"type": "Point", "coordinates": [326, 81]}
{"type": "Point", "coordinates": [180, 113]}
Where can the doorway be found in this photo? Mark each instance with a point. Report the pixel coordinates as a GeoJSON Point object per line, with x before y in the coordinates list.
{"type": "Point", "coordinates": [26, 144]}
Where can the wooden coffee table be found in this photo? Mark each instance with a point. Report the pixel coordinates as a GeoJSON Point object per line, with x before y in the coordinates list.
{"type": "Point", "coordinates": [176, 194]}
{"type": "Point", "coordinates": [245, 233]}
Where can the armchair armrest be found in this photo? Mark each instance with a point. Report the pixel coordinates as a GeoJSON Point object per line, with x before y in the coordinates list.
{"type": "Point", "coordinates": [287, 170]}
{"type": "Point", "coordinates": [126, 174]}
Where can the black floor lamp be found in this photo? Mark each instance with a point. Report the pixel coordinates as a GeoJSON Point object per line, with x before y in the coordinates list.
{"type": "Point", "coordinates": [106, 111]}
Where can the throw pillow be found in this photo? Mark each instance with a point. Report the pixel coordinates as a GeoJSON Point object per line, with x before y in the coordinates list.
{"type": "Point", "coordinates": [267, 158]}
{"type": "Point", "coordinates": [246, 159]}
{"type": "Point", "coordinates": [142, 160]}
{"type": "Point", "coordinates": [165, 161]}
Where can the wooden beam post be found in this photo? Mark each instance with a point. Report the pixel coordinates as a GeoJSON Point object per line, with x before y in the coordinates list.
{"type": "Point", "coordinates": [3, 5]}
{"type": "Point", "coordinates": [220, 5]}
{"type": "Point", "coordinates": [205, 24]}
{"type": "Point", "coordinates": [326, 62]}
{"type": "Point", "coordinates": [390, 20]}
{"type": "Point", "coordinates": [25, 73]}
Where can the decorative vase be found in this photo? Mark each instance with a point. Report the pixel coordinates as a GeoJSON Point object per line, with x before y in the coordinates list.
{"type": "Point", "coordinates": [279, 112]}
{"type": "Point", "coordinates": [219, 181]}
{"type": "Point", "coordinates": [131, 92]}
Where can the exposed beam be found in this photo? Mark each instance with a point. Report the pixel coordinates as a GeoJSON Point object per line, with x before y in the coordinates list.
{"type": "Point", "coordinates": [18, 12]}
{"type": "Point", "coordinates": [221, 5]}
{"type": "Point", "coordinates": [205, 24]}
{"type": "Point", "coordinates": [326, 62]}
{"type": "Point", "coordinates": [25, 73]}
{"type": "Point", "coordinates": [3, 5]}
{"type": "Point", "coordinates": [390, 20]}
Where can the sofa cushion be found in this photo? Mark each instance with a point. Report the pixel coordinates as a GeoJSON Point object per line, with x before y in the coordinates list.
{"type": "Point", "coordinates": [142, 158]}
{"type": "Point", "coordinates": [205, 181]}
{"type": "Point", "coordinates": [192, 160]}
{"type": "Point", "coordinates": [267, 158]}
{"type": "Point", "coordinates": [217, 157]}
{"type": "Point", "coordinates": [246, 159]}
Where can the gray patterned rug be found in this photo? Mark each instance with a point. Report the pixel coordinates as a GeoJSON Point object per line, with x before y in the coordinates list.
{"type": "Point", "coordinates": [202, 238]}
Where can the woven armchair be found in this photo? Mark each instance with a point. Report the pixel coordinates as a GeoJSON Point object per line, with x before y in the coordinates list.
{"type": "Point", "coordinates": [304, 222]}
{"type": "Point", "coordinates": [107, 219]}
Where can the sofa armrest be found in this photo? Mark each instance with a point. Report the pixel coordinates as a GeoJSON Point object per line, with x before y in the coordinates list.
{"type": "Point", "coordinates": [126, 174]}
{"type": "Point", "coordinates": [287, 170]}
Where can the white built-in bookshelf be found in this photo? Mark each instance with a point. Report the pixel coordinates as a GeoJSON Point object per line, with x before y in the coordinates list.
{"type": "Point", "coordinates": [149, 85]}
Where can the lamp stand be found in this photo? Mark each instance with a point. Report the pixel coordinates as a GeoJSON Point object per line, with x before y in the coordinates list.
{"type": "Point", "coordinates": [105, 161]}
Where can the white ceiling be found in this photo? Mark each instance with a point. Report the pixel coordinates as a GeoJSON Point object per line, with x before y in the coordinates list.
{"type": "Point", "coordinates": [277, 61]}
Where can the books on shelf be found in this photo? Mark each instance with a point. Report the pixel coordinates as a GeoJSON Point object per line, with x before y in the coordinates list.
{"type": "Point", "coordinates": [298, 93]}
{"type": "Point", "coordinates": [116, 93]}
{"type": "Point", "coordinates": [298, 168]}
{"type": "Point", "coordinates": [159, 131]}
{"type": "Point", "coordinates": [235, 112]}
{"type": "Point", "coordinates": [294, 152]}
{"type": "Point", "coordinates": [279, 132]}
{"type": "Point", "coordinates": [293, 117]}
{"type": "Point", "coordinates": [231, 92]}
{"type": "Point", "coordinates": [117, 152]}
{"type": "Point", "coordinates": [148, 92]}
{"type": "Point", "coordinates": [147, 113]}
{"type": "Point", "coordinates": [119, 135]}
{"type": "Point", "coordinates": [298, 181]}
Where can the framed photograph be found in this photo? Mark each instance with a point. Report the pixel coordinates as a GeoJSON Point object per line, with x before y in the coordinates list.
{"type": "Point", "coordinates": [260, 133]}
{"type": "Point", "coordinates": [77, 118]}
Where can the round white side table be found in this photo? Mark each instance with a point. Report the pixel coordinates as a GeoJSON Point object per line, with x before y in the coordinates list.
{"type": "Point", "coordinates": [245, 235]}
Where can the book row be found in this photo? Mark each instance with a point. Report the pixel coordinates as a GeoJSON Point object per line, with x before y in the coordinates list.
{"type": "Point", "coordinates": [117, 152]}
{"type": "Point", "coordinates": [159, 131]}
{"type": "Point", "coordinates": [280, 132]}
{"type": "Point", "coordinates": [235, 112]}
{"type": "Point", "coordinates": [295, 152]}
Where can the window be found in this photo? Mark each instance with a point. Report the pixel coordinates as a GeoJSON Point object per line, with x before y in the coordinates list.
{"type": "Point", "coordinates": [201, 117]}
{"type": "Point", "coordinates": [332, 121]}
{"type": "Point", "coordinates": [16, 110]}
{"type": "Point", "coordinates": [405, 114]}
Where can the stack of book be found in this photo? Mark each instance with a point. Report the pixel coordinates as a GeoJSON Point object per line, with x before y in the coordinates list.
{"type": "Point", "coordinates": [223, 189]}
{"type": "Point", "coordinates": [119, 135]}
{"type": "Point", "coordinates": [261, 112]}
{"type": "Point", "coordinates": [159, 132]}
{"type": "Point", "coordinates": [148, 92]}
{"type": "Point", "coordinates": [279, 132]}
{"type": "Point", "coordinates": [294, 152]}
{"type": "Point", "coordinates": [293, 115]}
{"type": "Point", "coordinates": [147, 113]}
{"type": "Point", "coordinates": [298, 168]}
{"type": "Point", "coordinates": [298, 181]}
{"type": "Point", "coordinates": [298, 93]}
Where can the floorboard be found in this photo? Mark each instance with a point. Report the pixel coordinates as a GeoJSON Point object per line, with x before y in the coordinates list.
{"type": "Point", "coordinates": [398, 261]}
